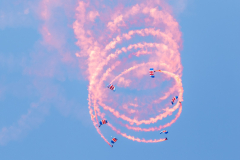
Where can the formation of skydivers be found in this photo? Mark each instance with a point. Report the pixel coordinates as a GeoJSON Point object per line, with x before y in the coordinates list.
{"type": "Point", "coordinates": [110, 86]}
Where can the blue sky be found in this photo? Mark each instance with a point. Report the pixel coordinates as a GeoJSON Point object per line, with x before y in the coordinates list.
{"type": "Point", "coordinates": [52, 94]}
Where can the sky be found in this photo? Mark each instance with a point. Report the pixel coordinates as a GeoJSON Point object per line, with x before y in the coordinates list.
{"type": "Point", "coordinates": [54, 71]}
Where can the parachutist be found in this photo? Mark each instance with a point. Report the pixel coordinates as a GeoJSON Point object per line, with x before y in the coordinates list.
{"type": "Point", "coordinates": [113, 141]}
{"type": "Point", "coordinates": [102, 122]}
{"type": "Point", "coordinates": [164, 131]}
{"type": "Point", "coordinates": [151, 72]}
{"type": "Point", "coordinates": [174, 98]}
{"type": "Point", "coordinates": [110, 86]}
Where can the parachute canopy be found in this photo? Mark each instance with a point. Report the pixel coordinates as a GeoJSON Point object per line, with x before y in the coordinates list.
{"type": "Point", "coordinates": [110, 86]}
{"type": "Point", "coordinates": [174, 99]}
{"type": "Point", "coordinates": [103, 122]}
{"type": "Point", "coordinates": [114, 140]}
{"type": "Point", "coordinates": [164, 131]}
{"type": "Point", "coordinates": [151, 72]}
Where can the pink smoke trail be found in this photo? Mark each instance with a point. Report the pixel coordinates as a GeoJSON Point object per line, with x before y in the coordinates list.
{"type": "Point", "coordinates": [108, 61]}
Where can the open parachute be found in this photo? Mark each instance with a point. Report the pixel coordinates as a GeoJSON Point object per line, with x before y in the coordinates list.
{"type": "Point", "coordinates": [174, 99]}
{"type": "Point", "coordinates": [110, 86]}
{"type": "Point", "coordinates": [102, 122]}
{"type": "Point", "coordinates": [164, 131]}
{"type": "Point", "coordinates": [151, 72]}
{"type": "Point", "coordinates": [113, 140]}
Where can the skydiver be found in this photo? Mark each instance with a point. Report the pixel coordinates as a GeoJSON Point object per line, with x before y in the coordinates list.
{"type": "Point", "coordinates": [113, 141]}
{"type": "Point", "coordinates": [102, 122]}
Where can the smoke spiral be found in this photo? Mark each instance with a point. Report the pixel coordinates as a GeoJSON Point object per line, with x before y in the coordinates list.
{"type": "Point", "coordinates": [118, 47]}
